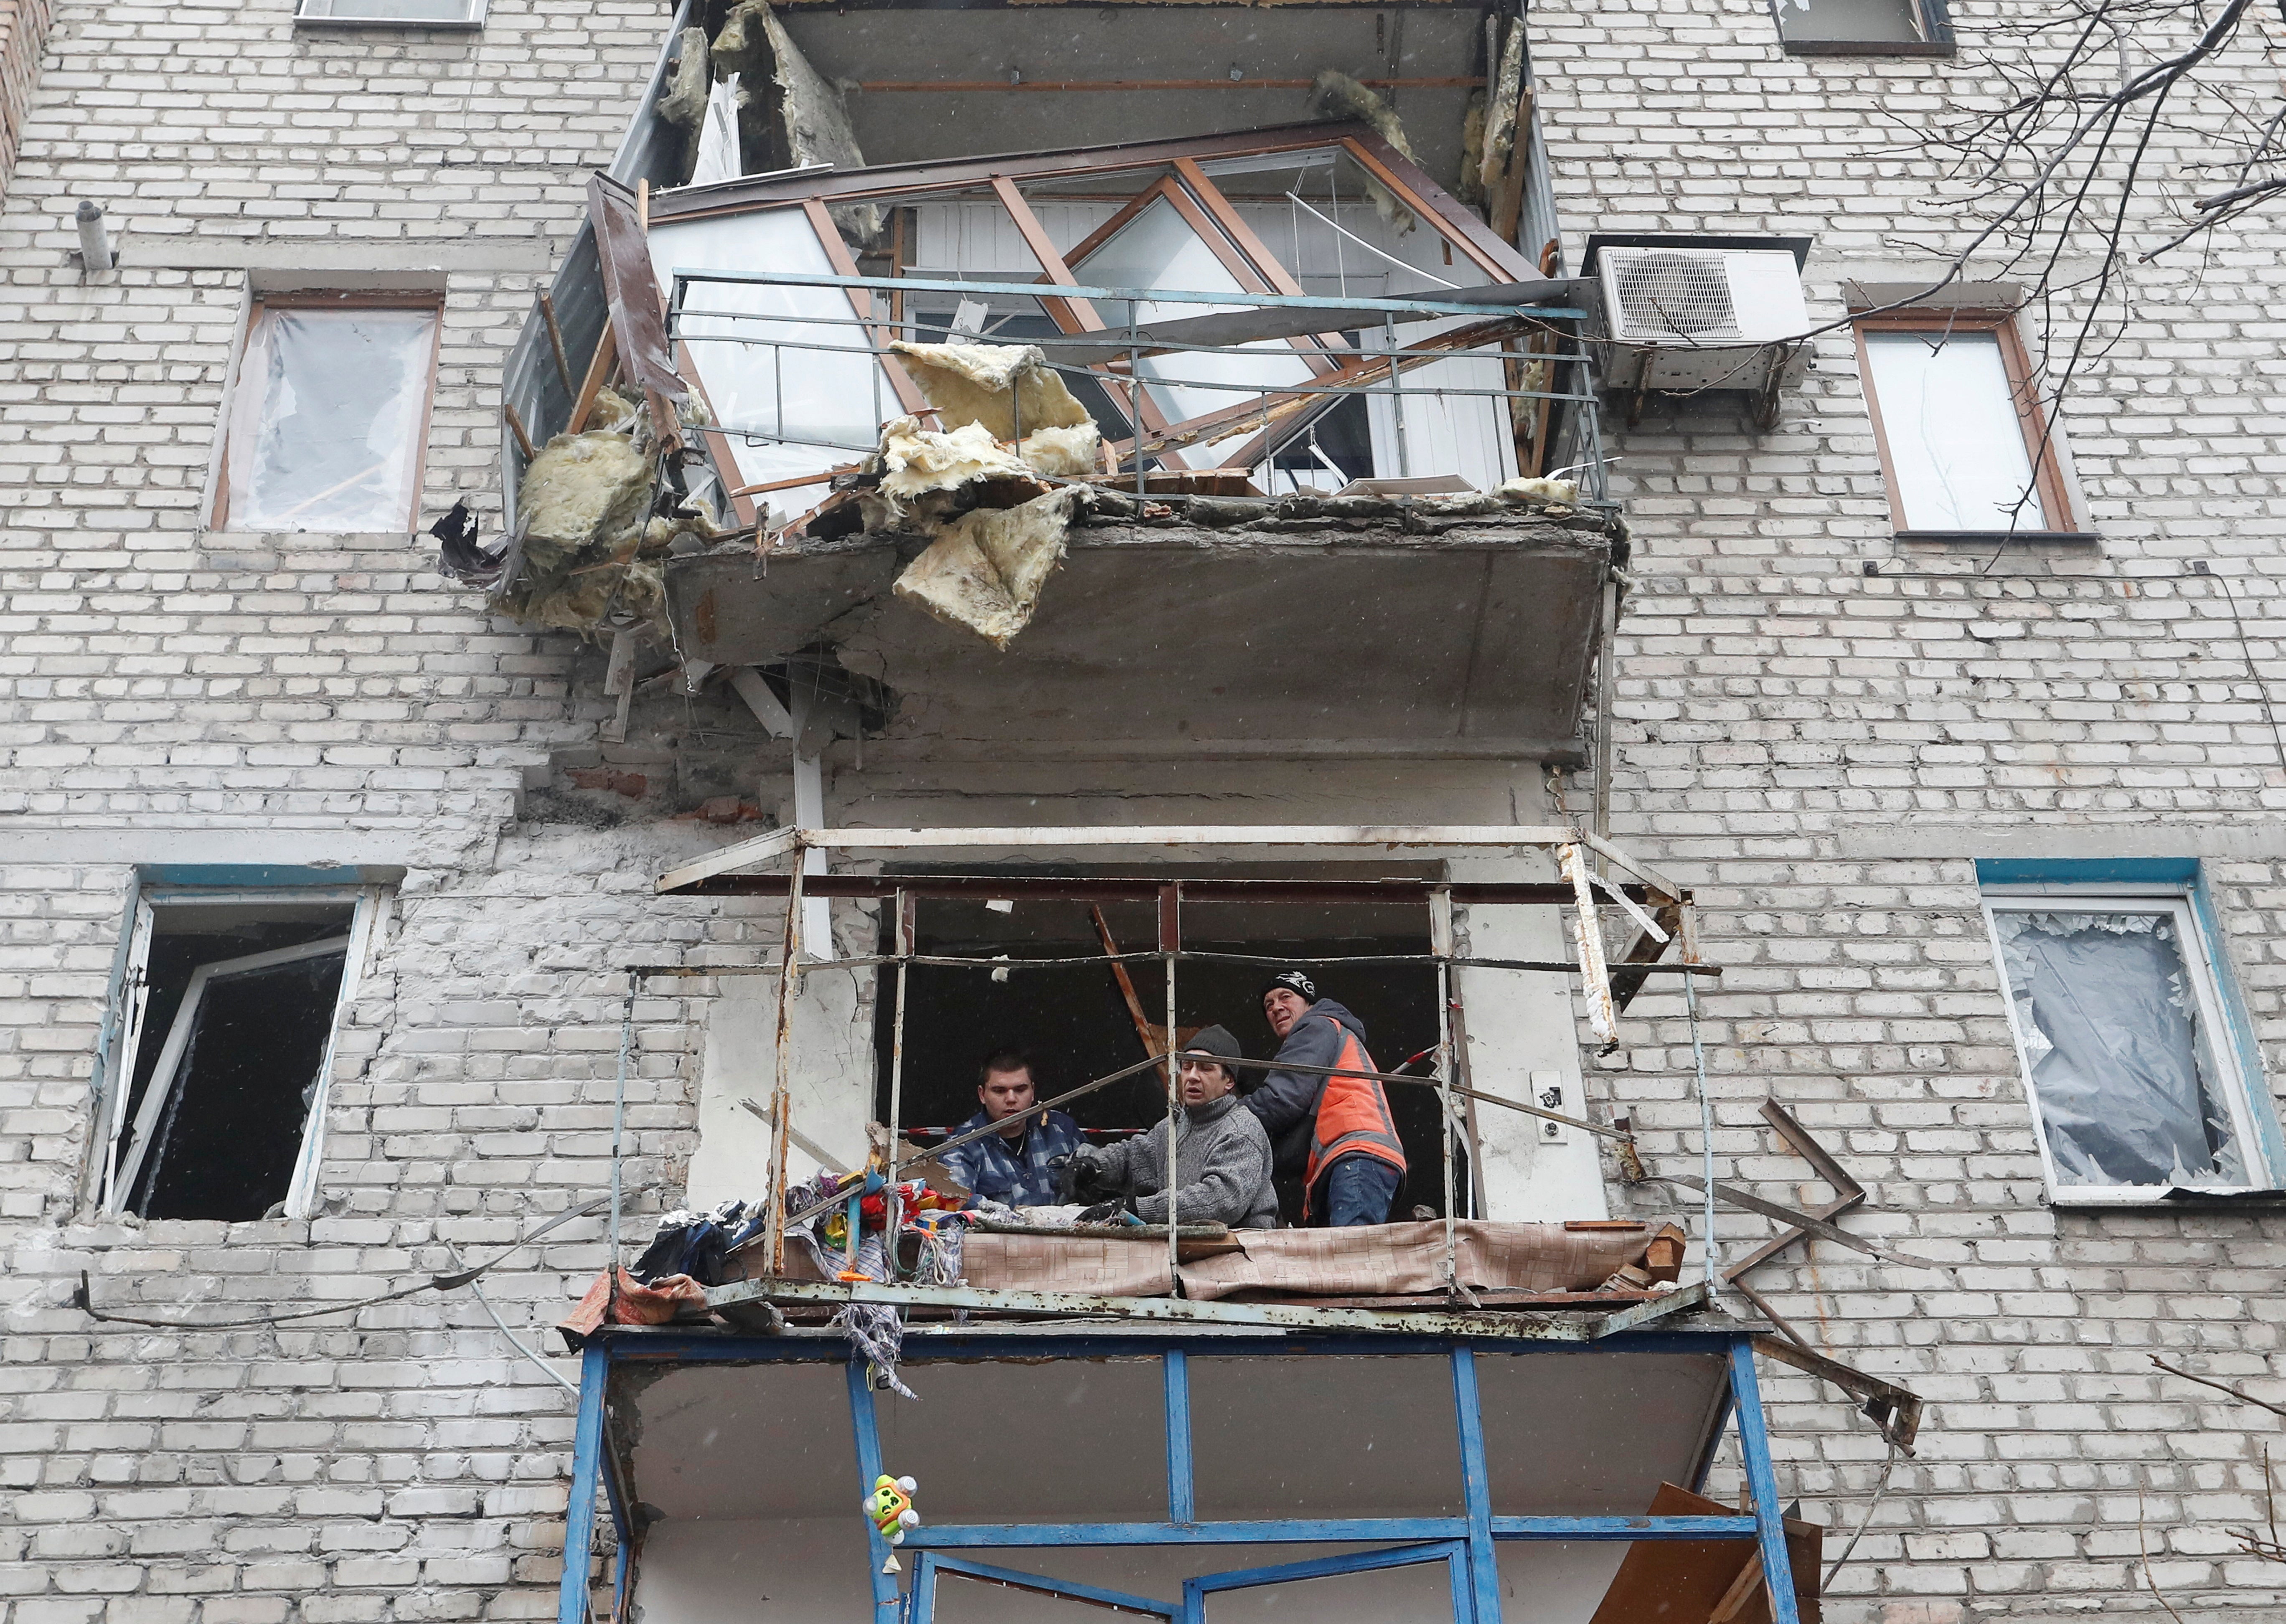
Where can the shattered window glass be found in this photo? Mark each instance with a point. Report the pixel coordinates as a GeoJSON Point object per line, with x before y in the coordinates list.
{"type": "Point", "coordinates": [799, 393]}
{"type": "Point", "coordinates": [326, 429]}
{"type": "Point", "coordinates": [1158, 248]}
{"type": "Point", "coordinates": [1957, 453]}
{"type": "Point", "coordinates": [2113, 1018]}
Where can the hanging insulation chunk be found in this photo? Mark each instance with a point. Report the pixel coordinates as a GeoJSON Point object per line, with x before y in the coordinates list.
{"type": "Point", "coordinates": [1005, 387]}
{"type": "Point", "coordinates": [917, 461]}
{"type": "Point", "coordinates": [986, 569]}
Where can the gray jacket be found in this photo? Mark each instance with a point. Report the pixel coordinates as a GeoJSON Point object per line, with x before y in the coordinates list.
{"type": "Point", "coordinates": [1222, 1168]}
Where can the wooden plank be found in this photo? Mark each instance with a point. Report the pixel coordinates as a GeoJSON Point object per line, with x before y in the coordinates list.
{"type": "Point", "coordinates": [1069, 315]}
{"type": "Point", "coordinates": [1412, 187]}
{"type": "Point", "coordinates": [861, 304]}
{"type": "Point", "coordinates": [1302, 396]}
{"type": "Point", "coordinates": [599, 373]}
{"type": "Point", "coordinates": [1685, 1581]}
{"type": "Point", "coordinates": [910, 180]}
{"type": "Point", "coordinates": [1077, 315]}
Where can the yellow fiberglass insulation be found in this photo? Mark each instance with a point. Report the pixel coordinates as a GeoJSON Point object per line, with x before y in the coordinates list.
{"type": "Point", "coordinates": [974, 383]}
{"type": "Point", "coordinates": [985, 569]}
{"type": "Point", "coordinates": [580, 489]}
{"type": "Point", "coordinates": [916, 461]}
{"type": "Point", "coordinates": [1064, 454]}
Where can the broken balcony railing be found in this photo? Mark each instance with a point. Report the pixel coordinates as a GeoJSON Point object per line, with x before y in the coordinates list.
{"type": "Point", "coordinates": [1252, 383]}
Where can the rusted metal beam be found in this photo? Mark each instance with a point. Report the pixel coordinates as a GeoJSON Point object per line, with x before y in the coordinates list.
{"type": "Point", "coordinates": [1894, 1410]}
{"type": "Point", "coordinates": [631, 292]}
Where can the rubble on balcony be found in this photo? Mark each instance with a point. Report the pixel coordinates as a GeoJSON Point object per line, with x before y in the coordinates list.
{"type": "Point", "coordinates": [1064, 404]}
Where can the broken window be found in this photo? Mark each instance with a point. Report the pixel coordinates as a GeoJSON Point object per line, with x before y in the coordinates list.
{"type": "Point", "coordinates": [219, 1051]}
{"type": "Point", "coordinates": [1964, 444]}
{"type": "Point", "coordinates": [1865, 27]}
{"type": "Point", "coordinates": [800, 368]}
{"type": "Point", "coordinates": [2121, 1025]}
{"type": "Point", "coordinates": [329, 416]}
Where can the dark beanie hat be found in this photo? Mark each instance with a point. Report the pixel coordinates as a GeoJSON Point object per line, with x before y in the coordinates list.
{"type": "Point", "coordinates": [1214, 1042]}
{"type": "Point", "coordinates": [1292, 980]}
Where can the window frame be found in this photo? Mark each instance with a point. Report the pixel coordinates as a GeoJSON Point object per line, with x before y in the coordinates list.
{"type": "Point", "coordinates": [124, 1031]}
{"type": "Point", "coordinates": [262, 304]}
{"type": "Point", "coordinates": [2253, 1119]}
{"type": "Point", "coordinates": [470, 24]}
{"type": "Point", "coordinates": [1936, 36]}
{"type": "Point", "coordinates": [2048, 483]}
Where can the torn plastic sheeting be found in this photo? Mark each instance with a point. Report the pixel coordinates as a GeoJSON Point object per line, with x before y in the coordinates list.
{"type": "Point", "coordinates": [986, 569]}
{"type": "Point", "coordinates": [2112, 1040]}
{"type": "Point", "coordinates": [1005, 387]}
{"type": "Point", "coordinates": [917, 461]}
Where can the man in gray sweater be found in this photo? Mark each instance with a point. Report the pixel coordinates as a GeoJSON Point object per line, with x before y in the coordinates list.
{"type": "Point", "coordinates": [1222, 1155]}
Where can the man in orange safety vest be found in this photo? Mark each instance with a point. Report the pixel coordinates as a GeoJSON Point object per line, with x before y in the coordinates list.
{"type": "Point", "coordinates": [1354, 1161]}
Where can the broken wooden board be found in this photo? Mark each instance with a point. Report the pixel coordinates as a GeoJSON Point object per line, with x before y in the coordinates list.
{"type": "Point", "coordinates": [1688, 1581]}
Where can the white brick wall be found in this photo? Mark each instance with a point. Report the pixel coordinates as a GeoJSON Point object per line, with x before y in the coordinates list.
{"type": "Point", "coordinates": [1822, 752]}
{"type": "Point", "coordinates": [1819, 751]}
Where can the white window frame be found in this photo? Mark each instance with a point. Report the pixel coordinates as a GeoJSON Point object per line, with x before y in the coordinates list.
{"type": "Point", "coordinates": [2239, 1089]}
{"type": "Point", "coordinates": [116, 1182]}
{"type": "Point", "coordinates": [472, 19]}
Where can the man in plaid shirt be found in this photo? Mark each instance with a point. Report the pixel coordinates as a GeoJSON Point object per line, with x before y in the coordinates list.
{"type": "Point", "coordinates": [1016, 1166]}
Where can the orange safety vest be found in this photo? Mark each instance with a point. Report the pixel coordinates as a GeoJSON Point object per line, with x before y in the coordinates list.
{"type": "Point", "coordinates": [1352, 1120]}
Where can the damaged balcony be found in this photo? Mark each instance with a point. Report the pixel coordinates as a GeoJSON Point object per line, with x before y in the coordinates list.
{"type": "Point", "coordinates": [1247, 438]}
{"type": "Point", "coordinates": [1424, 1420]}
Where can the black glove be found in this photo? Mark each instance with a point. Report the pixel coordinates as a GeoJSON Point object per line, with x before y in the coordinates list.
{"type": "Point", "coordinates": [1086, 1178]}
{"type": "Point", "coordinates": [1067, 1168]}
{"type": "Point", "coordinates": [1104, 1212]}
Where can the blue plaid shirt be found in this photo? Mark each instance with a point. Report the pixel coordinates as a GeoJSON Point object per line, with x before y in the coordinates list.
{"type": "Point", "coordinates": [992, 1168]}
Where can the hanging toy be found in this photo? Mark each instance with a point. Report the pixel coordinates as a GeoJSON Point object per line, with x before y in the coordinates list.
{"type": "Point", "coordinates": [890, 1505]}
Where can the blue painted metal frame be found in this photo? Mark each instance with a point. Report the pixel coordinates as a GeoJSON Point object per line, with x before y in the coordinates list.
{"type": "Point", "coordinates": [1473, 1536]}
{"type": "Point", "coordinates": [1452, 1553]}
{"type": "Point", "coordinates": [922, 1606]}
{"type": "Point", "coordinates": [587, 1475]}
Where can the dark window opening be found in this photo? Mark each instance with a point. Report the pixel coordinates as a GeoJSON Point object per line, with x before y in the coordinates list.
{"type": "Point", "coordinates": [234, 1035]}
{"type": "Point", "coordinates": [1076, 1023]}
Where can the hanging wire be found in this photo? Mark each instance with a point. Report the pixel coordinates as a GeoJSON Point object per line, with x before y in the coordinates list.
{"type": "Point", "coordinates": [1879, 1490]}
{"type": "Point", "coordinates": [1706, 1133]}
{"type": "Point", "coordinates": [554, 1374]}
{"type": "Point", "coordinates": [618, 1129]}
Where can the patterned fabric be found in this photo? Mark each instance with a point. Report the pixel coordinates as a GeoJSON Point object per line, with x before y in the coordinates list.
{"type": "Point", "coordinates": [991, 1168]}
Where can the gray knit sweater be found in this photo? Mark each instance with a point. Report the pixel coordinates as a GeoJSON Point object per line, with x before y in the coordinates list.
{"type": "Point", "coordinates": [1222, 1169]}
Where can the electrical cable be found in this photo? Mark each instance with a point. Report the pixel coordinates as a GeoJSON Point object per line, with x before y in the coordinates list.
{"type": "Point", "coordinates": [553, 1374]}
{"type": "Point", "coordinates": [1880, 1490]}
{"type": "Point", "coordinates": [1705, 1133]}
{"type": "Point", "coordinates": [80, 1299]}
{"type": "Point", "coordinates": [2246, 653]}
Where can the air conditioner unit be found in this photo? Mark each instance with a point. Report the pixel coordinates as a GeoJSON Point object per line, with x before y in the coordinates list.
{"type": "Point", "coordinates": [1700, 318]}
